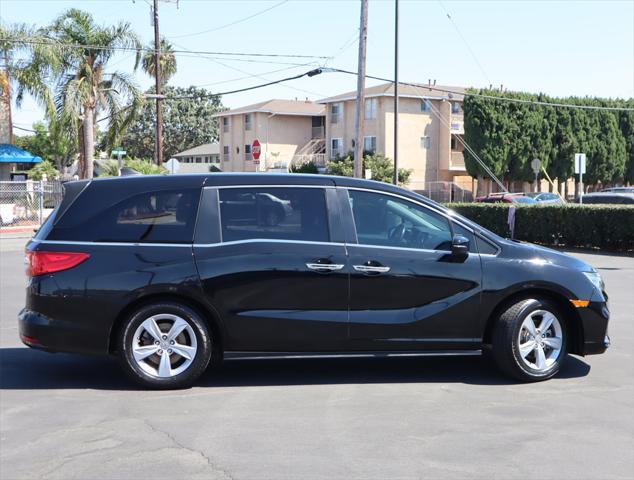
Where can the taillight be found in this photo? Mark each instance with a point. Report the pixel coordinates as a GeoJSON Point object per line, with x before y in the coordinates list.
{"type": "Point", "coordinates": [41, 263]}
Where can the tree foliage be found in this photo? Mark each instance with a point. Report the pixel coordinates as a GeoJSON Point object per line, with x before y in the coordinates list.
{"type": "Point", "coordinates": [167, 61]}
{"type": "Point", "coordinates": [382, 167]}
{"type": "Point", "coordinates": [507, 136]}
{"type": "Point", "coordinates": [187, 122]}
{"type": "Point", "coordinates": [48, 144]}
{"type": "Point", "coordinates": [42, 170]}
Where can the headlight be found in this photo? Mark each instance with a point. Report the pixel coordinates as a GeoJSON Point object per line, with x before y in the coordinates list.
{"type": "Point", "coordinates": [596, 280]}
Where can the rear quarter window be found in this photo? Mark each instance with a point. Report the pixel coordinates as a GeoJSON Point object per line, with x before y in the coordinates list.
{"type": "Point", "coordinates": [166, 216]}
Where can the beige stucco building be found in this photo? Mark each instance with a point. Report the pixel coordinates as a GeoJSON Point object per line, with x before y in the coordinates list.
{"type": "Point", "coordinates": [288, 130]}
{"type": "Point", "coordinates": [431, 125]}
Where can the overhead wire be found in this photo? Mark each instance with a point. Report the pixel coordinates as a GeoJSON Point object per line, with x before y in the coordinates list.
{"type": "Point", "coordinates": [464, 40]}
{"type": "Point", "coordinates": [230, 24]}
{"type": "Point", "coordinates": [490, 97]}
{"type": "Point", "coordinates": [152, 50]}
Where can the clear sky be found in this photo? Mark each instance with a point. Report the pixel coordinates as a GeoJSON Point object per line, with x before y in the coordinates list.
{"type": "Point", "coordinates": [557, 47]}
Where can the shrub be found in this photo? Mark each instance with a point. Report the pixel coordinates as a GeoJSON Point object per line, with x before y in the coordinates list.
{"type": "Point", "coordinates": [382, 168]}
{"type": "Point", "coordinates": [44, 168]}
{"type": "Point", "coordinates": [306, 167]}
{"type": "Point", "coordinates": [609, 227]}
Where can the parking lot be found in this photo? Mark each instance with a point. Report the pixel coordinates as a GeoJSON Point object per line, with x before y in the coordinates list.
{"type": "Point", "coordinates": [65, 416]}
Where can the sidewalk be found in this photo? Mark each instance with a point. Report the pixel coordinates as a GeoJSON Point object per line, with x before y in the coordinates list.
{"type": "Point", "coordinates": [18, 232]}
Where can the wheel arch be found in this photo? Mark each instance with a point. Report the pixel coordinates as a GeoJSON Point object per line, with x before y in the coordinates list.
{"type": "Point", "coordinates": [209, 314]}
{"type": "Point", "coordinates": [573, 324]}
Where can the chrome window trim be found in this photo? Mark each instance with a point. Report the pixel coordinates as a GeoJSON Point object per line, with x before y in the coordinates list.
{"type": "Point", "coordinates": [433, 209]}
{"type": "Point", "coordinates": [110, 244]}
{"type": "Point", "coordinates": [263, 185]}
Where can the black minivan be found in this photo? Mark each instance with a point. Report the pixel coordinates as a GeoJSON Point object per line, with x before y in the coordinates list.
{"type": "Point", "coordinates": [174, 273]}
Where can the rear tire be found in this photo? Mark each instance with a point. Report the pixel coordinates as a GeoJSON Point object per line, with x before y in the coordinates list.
{"type": "Point", "coordinates": [529, 340]}
{"type": "Point", "coordinates": [165, 345]}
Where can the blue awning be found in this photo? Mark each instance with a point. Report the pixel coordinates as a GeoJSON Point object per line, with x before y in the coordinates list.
{"type": "Point", "coordinates": [12, 154]}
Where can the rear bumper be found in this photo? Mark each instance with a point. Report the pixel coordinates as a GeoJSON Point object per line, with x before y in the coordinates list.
{"type": "Point", "coordinates": [594, 319]}
{"type": "Point", "coordinates": [52, 335]}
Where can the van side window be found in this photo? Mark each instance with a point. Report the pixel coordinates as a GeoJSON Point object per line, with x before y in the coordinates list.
{"type": "Point", "coordinates": [150, 217]}
{"type": "Point", "coordinates": [273, 213]}
{"type": "Point", "coordinates": [390, 221]}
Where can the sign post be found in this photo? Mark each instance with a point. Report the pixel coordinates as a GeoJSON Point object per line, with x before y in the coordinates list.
{"type": "Point", "coordinates": [173, 166]}
{"type": "Point", "coordinates": [580, 169]}
{"type": "Point", "coordinates": [536, 165]}
{"type": "Point", "coordinates": [256, 150]}
{"type": "Point", "coordinates": [119, 152]}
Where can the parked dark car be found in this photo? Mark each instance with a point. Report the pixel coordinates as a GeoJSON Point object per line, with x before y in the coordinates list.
{"type": "Point", "coordinates": [608, 198]}
{"type": "Point", "coordinates": [506, 198]}
{"type": "Point", "coordinates": [165, 273]}
{"type": "Point", "coordinates": [619, 189]}
{"type": "Point", "coordinates": [545, 198]}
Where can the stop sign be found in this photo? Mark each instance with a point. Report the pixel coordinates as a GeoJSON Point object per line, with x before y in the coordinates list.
{"type": "Point", "coordinates": [256, 149]}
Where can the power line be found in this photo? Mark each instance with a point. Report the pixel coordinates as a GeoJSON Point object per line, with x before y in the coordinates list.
{"type": "Point", "coordinates": [253, 75]}
{"type": "Point", "coordinates": [490, 97]}
{"type": "Point", "coordinates": [464, 40]}
{"type": "Point", "coordinates": [215, 29]}
{"type": "Point", "coordinates": [152, 50]}
{"type": "Point", "coordinates": [310, 73]}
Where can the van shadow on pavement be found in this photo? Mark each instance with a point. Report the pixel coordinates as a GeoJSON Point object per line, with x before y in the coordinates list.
{"type": "Point", "coordinates": [23, 368]}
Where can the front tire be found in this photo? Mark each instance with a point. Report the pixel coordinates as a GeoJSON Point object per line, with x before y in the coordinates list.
{"type": "Point", "coordinates": [529, 340]}
{"type": "Point", "coordinates": [165, 346]}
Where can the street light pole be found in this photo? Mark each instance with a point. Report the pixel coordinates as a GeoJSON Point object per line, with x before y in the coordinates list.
{"type": "Point", "coordinates": [360, 110]}
{"type": "Point", "coordinates": [158, 143]}
{"type": "Point", "coordinates": [395, 92]}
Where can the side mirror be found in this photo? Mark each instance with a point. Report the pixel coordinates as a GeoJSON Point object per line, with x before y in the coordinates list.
{"type": "Point", "coordinates": [459, 248]}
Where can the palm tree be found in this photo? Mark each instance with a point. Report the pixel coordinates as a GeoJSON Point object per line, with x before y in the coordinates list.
{"type": "Point", "coordinates": [17, 43]}
{"type": "Point", "coordinates": [167, 61]}
{"type": "Point", "coordinates": [83, 89]}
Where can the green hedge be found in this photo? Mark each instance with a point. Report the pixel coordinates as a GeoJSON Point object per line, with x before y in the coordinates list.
{"type": "Point", "coordinates": [609, 227]}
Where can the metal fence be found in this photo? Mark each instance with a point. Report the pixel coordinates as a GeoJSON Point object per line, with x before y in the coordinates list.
{"type": "Point", "coordinates": [446, 192]}
{"type": "Point", "coordinates": [28, 203]}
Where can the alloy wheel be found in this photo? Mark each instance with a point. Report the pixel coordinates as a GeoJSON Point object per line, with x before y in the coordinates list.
{"type": "Point", "coordinates": [540, 340]}
{"type": "Point", "coordinates": [164, 345]}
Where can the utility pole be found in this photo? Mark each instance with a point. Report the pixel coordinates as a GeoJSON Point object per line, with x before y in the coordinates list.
{"type": "Point", "coordinates": [360, 106]}
{"type": "Point", "coordinates": [158, 142]}
{"type": "Point", "coordinates": [395, 92]}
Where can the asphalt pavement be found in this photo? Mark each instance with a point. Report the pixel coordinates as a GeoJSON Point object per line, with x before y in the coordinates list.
{"type": "Point", "coordinates": [76, 417]}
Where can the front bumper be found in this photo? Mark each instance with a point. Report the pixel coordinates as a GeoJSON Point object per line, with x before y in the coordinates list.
{"type": "Point", "coordinates": [594, 320]}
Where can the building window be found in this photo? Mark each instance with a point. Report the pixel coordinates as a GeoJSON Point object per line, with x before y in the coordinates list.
{"type": "Point", "coordinates": [454, 143]}
{"type": "Point", "coordinates": [226, 151]}
{"type": "Point", "coordinates": [215, 158]}
{"type": "Point", "coordinates": [247, 153]}
{"type": "Point", "coordinates": [369, 144]}
{"type": "Point", "coordinates": [336, 109]}
{"type": "Point", "coordinates": [247, 121]}
{"type": "Point", "coordinates": [425, 142]}
{"type": "Point", "coordinates": [206, 159]}
{"type": "Point", "coordinates": [226, 123]}
{"type": "Point", "coordinates": [199, 160]}
{"type": "Point", "coordinates": [336, 147]}
{"type": "Point", "coordinates": [370, 108]}
{"type": "Point", "coordinates": [455, 107]}
{"type": "Point", "coordinates": [425, 105]}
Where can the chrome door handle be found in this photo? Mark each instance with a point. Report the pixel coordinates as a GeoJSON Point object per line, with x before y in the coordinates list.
{"type": "Point", "coordinates": [370, 269]}
{"type": "Point", "coordinates": [325, 267]}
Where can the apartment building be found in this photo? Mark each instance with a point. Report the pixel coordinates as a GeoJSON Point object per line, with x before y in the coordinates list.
{"type": "Point", "coordinates": [431, 125]}
{"type": "Point", "coordinates": [287, 130]}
